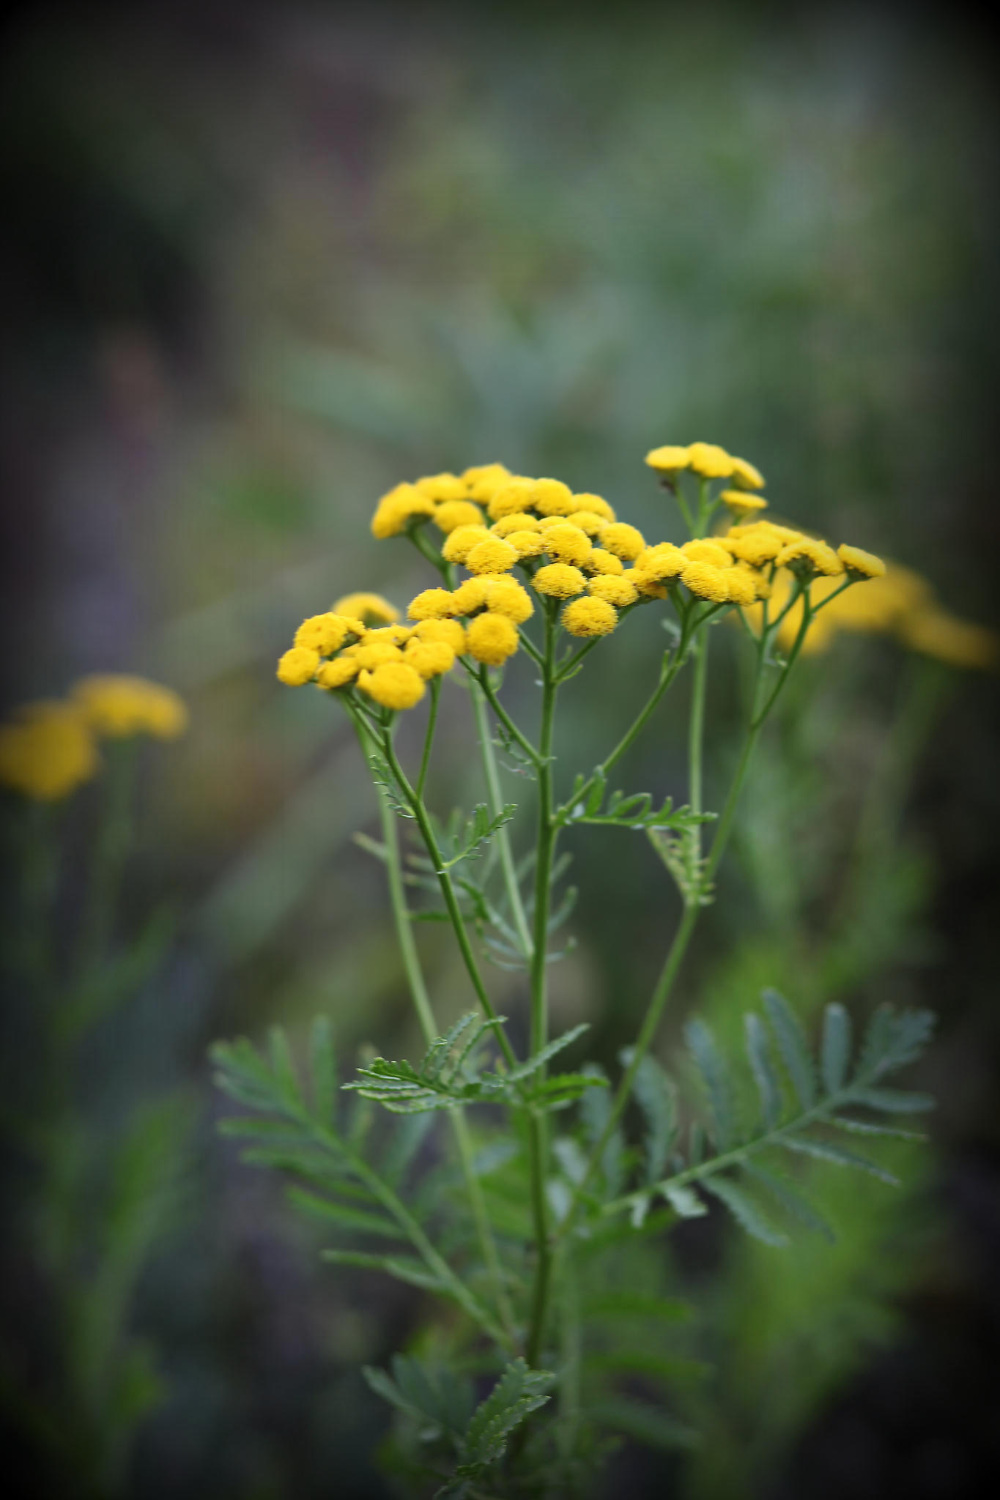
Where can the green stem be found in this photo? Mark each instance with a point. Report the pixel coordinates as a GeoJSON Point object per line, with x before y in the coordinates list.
{"type": "Point", "coordinates": [425, 759]}
{"type": "Point", "coordinates": [481, 675]}
{"type": "Point", "coordinates": [495, 800]}
{"type": "Point", "coordinates": [448, 892]}
{"type": "Point", "coordinates": [431, 1030]}
{"type": "Point", "coordinates": [108, 863]}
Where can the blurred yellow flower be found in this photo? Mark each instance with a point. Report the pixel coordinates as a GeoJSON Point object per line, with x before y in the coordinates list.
{"type": "Point", "coordinates": [298, 666]}
{"type": "Point", "coordinates": [370, 609]}
{"type": "Point", "coordinates": [118, 705]}
{"type": "Point", "coordinates": [47, 750]}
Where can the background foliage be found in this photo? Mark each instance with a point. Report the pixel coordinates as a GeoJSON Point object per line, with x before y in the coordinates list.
{"type": "Point", "coordinates": [266, 261]}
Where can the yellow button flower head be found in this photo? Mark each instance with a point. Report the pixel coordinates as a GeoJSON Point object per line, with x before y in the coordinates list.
{"type": "Point", "coordinates": [370, 609]}
{"type": "Point", "coordinates": [669, 459]}
{"type": "Point", "coordinates": [393, 684]}
{"type": "Point", "coordinates": [396, 635]}
{"type": "Point", "coordinates": [455, 513]}
{"type": "Point", "coordinates": [857, 560]}
{"type": "Point", "coordinates": [703, 549]}
{"type": "Point", "coordinates": [614, 590]}
{"type": "Point", "coordinates": [741, 503]}
{"type": "Point", "coordinates": [298, 666]}
{"type": "Point", "coordinates": [513, 496]}
{"type": "Point", "coordinates": [46, 751]}
{"type": "Point", "coordinates": [471, 595]}
{"type": "Point", "coordinates": [492, 639]}
{"type": "Point", "coordinates": [439, 488]}
{"type": "Point", "coordinates": [482, 482]}
{"type": "Point", "coordinates": [429, 658]}
{"type": "Point", "coordinates": [755, 546]}
{"type": "Point", "coordinates": [710, 461]}
{"type": "Point", "coordinates": [550, 497]}
{"type": "Point", "coordinates": [449, 631]}
{"type": "Point", "coordinates": [664, 560]}
{"type": "Point", "coordinates": [323, 633]}
{"type": "Point", "coordinates": [559, 581]}
{"type": "Point", "coordinates": [396, 509]}
{"type": "Point", "coordinates": [742, 586]}
{"type": "Point", "coordinates": [505, 596]}
{"type": "Point", "coordinates": [432, 604]}
{"type": "Point", "coordinates": [492, 555]}
{"type": "Point", "coordinates": [587, 520]}
{"type": "Point", "coordinates": [706, 580]}
{"type": "Point", "coordinates": [647, 585]}
{"type": "Point", "coordinates": [568, 544]}
{"type": "Point", "coordinates": [593, 505]}
{"type": "Point", "coordinates": [518, 520]}
{"type": "Point", "coordinates": [589, 617]}
{"type": "Point", "coordinates": [460, 542]}
{"type": "Point", "coordinates": [118, 705]}
{"type": "Point", "coordinates": [338, 673]}
{"type": "Point", "coordinates": [808, 555]}
{"type": "Point", "coordinates": [526, 543]}
{"type": "Point", "coordinates": [600, 561]}
{"type": "Point", "coordinates": [745, 476]}
{"type": "Point", "coordinates": [371, 656]}
{"type": "Point", "coordinates": [623, 540]}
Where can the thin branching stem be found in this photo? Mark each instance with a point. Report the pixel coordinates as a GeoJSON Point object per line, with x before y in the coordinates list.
{"type": "Point", "coordinates": [425, 759]}
{"type": "Point", "coordinates": [495, 800]}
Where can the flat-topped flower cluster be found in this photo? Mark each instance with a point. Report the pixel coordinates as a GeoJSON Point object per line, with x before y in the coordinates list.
{"type": "Point", "coordinates": [522, 542]}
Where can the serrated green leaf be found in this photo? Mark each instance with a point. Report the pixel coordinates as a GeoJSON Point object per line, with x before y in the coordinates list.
{"type": "Point", "coordinates": [684, 1201]}
{"type": "Point", "coordinates": [836, 1049]}
{"type": "Point", "coordinates": [283, 1069]}
{"type": "Point", "coordinates": [892, 1101]}
{"type": "Point", "coordinates": [655, 1096]}
{"type": "Point", "coordinates": [868, 1127]}
{"type": "Point", "coordinates": [402, 1268]}
{"type": "Point", "coordinates": [892, 1040]}
{"type": "Point", "coordinates": [826, 1151]}
{"type": "Point", "coordinates": [323, 1066]}
{"type": "Point", "coordinates": [744, 1210]}
{"type": "Point", "coordinates": [715, 1077]}
{"type": "Point", "coordinates": [761, 1065]}
{"type": "Point", "coordinates": [517, 1393]}
{"type": "Point", "coordinates": [790, 1199]}
{"type": "Point", "coordinates": [792, 1046]}
{"type": "Point", "coordinates": [541, 1057]}
{"type": "Point", "coordinates": [342, 1216]}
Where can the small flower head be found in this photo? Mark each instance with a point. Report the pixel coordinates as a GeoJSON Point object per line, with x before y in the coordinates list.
{"type": "Point", "coordinates": [460, 542]}
{"type": "Point", "coordinates": [323, 633]}
{"type": "Point", "coordinates": [623, 540]}
{"type": "Point", "coordinates": [601, 561]}
{"type": "Point", "coordinates": [449, 631]}
{"type": "Point", "coordinates": [646, 584]}
{"type": "Point", "coordinates": [742, 503]}
{"type": "Point", "coordinates": [859, 563]}
{"type": "Point", "coordinates": [370, 609]}
{"type": "Point", "coordinates": [745, 476]}
{"type": "Point", "coordinates": [46, 751]}
{"type": "Point", "coordinates": [589, 617]}
{"type": "Point", "coordinates": [660, 562]}
{"type": "Point", "coordinates": [593, 505]}
{"type": "Point", "coordinates": [442, 488]}
{"type": "Point", "coordinates": [395, 635]}
{"type": "Point", "coordinates": [669, 459]}
{"type": "Point", "coordinates": [567, 544]}
{"type": "Point", "coordinates": [338, 673]}
{"type": "Point", "coordinates": [120, 706]}
{"type": "Point", "coordinates": [742, 586]}
{"type": "Point", "coordinates": [587, 520]}
{"type": "Point", "coordinates": [395, 510]}
{"type": "Point", "coordinates": [756, 545]}
{"type": "Point", "coordinates": [705, 550]}
{"type": "Point", "coordinates": [709, 461]}
{"type": "Point", "coordinates": [471, 595]}
{"type": "Point", "coordinates": [706, 581]}
{"type": "Point", "coordinates": [518, 520]}
{"type": "Point", "coordinates": [492, 639]}
{"type": "Point", "coordinates": [526, 543]}
{"type": "Point", "coordinates": [394, 684]}
{"type": "Point", "coordinates": [514, 495]}
{"type": "Point", "coordinates": [505, 596]}
{"type": "Point", "coordinates": [492, 555]}
{"type": "Point", "coordinates": [454, 513]}
{"type": "Point", "coordinates": [550, 497]}
{"type": "Point", "coordinates": [482, 482]}
{"type": "Point", "coordinates": [808, 556]}
{"type": "Point", "coordinates": [375, 655]}
{"type": "Point", "coordinates": [432, 604]}
{"type": "Point", "coordinates": [618, 591]}
{"type": "Point", "coordinates": [429, 658]}
{"type": "Point", "coordinates": [559, 581]}
{"type": "Point", "coordinates": [298, 666]}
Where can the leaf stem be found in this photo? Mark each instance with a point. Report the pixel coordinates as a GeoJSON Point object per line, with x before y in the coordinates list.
{"type": "Point", "coordinates": [425, 759]}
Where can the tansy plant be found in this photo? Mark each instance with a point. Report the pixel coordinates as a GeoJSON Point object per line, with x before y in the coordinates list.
{"type": "Point", "coordinates": [527, 1236]}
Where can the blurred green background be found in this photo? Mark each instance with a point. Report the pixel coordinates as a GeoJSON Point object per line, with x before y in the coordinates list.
{"type": "Point", "coordinates": [262, 262]}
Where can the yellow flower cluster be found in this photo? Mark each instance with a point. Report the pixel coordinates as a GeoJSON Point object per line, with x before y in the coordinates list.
{"type": "Point", "coordinates": [709, 461]}
{"type": "Point", "coordinates": [49, 748]}
{"type": "Point", "coordinates": [896, 602]}
{"type": "Point", "coordinates": [389, 662]}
